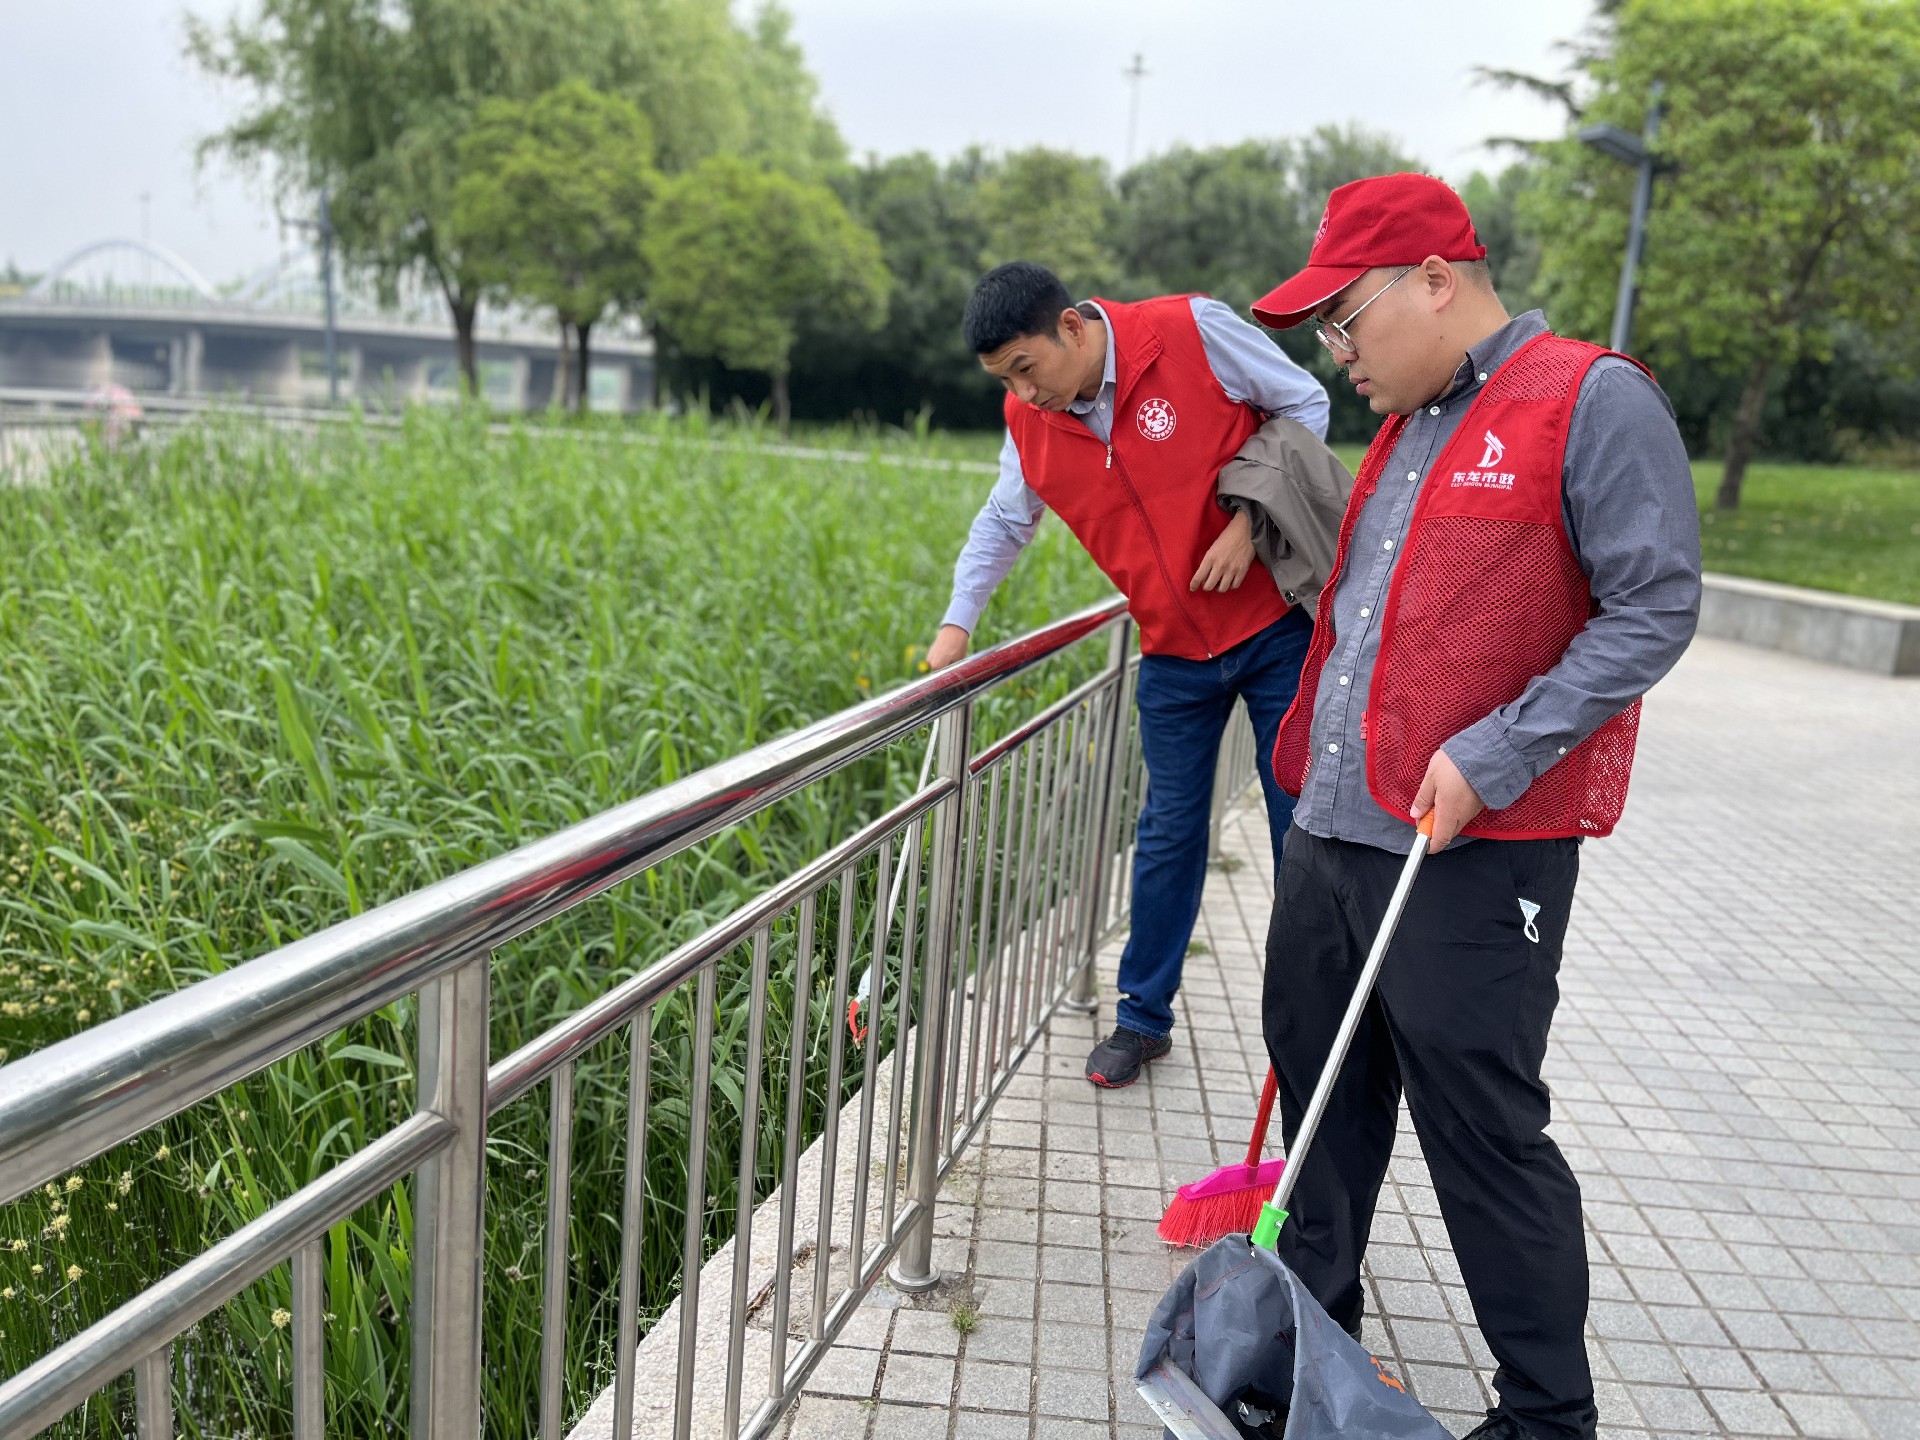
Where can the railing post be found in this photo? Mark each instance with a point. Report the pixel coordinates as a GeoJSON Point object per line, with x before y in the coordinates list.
{"type": "Point", "coordinates": [1080, 995]}
{"type": "Point", "coordinates": [1238, 768]}
{"type": "Point", "coordinates": [913, 1265]}
{"type": "Point", "coordinates": [450, 1192]}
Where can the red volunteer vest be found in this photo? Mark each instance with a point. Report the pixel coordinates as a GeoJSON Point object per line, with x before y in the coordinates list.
{"type": "Point", "coordinates": [1143, 505]}
{"type": "Point", "coordinates": [1488, 594]}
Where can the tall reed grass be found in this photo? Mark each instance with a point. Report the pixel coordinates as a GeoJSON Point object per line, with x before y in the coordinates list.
{"type": "Point", "coordinates": [257, 682]}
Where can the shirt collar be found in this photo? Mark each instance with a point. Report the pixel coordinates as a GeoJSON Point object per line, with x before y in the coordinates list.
{"type": "Point", "coordinates": [1494, 351]}
{"type": "Point", "coordinates": [1107, 372]}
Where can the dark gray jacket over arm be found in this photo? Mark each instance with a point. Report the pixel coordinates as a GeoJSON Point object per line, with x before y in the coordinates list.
{"type": "Point", "coordinates": [1294, 490]}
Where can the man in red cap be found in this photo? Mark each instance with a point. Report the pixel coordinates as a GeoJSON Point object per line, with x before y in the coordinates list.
{"type": "Point", "coordinates": [1519, 563]}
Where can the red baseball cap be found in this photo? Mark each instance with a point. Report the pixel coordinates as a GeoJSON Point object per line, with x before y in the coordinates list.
{"type": "Point", "coordinates": [1386, 220]}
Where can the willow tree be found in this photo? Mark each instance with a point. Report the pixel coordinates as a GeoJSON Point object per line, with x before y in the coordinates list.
{"type": "Point", "coordinates": [1788, 206]}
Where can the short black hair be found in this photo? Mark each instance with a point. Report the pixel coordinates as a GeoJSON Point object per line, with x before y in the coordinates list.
{"type": "Point", "coordinates": [1478, 273]}
{"type": "Point", "coordinates": [1011, 300]}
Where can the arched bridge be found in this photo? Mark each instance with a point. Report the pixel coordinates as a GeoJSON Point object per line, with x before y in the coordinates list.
{"type": "Point", "coordinates": [130, 312]}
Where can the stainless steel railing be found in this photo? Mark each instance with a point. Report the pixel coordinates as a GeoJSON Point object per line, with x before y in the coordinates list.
{"type": "Point", "coordinates": [1234, 775]}
{"type": "Point", "coordinates": [1017, 866]}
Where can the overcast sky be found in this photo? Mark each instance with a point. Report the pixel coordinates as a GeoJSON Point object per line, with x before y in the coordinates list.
{"type": "Point", "coordinates": [97, 107]}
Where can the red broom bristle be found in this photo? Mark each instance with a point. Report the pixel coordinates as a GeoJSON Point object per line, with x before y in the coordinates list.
{"type": "Point", "coordinates": [1201, 1222]}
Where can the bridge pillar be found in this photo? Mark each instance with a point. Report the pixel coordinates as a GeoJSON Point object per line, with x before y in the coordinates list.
{"type": "Point", "coordinates": [389, 377]}
{"type": "Point", "coordinates": [541, 373]}
{"type": "Point", "coordinates": [185, 353]}
{"type": "Point", "coordinates": [516, 396]}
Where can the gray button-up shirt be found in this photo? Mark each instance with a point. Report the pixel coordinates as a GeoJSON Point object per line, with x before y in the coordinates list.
{"type": "Point", "coordinates": [1629, 504]}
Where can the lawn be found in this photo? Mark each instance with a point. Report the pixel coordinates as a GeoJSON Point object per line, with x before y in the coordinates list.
{"type": "Point", "coordinates": [1848, 528]}
{"type": "Point", "coordinates": [258, 682]}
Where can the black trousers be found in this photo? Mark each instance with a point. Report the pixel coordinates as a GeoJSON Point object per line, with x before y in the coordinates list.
{"type": "Point", "coordinates": [1458, 1021]}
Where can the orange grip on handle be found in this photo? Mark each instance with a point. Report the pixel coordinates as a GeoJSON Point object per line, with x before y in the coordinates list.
{"type": "Point", "coordinates": [1425, 827]}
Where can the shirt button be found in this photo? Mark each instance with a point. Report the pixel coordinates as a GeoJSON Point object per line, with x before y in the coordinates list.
{"type": "Point", "coordinates": [1365, 610]}
{"type": "Point", "coordinates": [1345, 678]}
{"type": "Point", "coordinates": [1483, 377]}
{"type": "Point", "coordinates": [1563, 749]}
{"type": "Point", "coordinates": [1333, 749]}
{"type": "Point", "coordinates": [1413, 474]}
{"type": "Point", "coordinates": [1386, 544]}
{"type": "Point", "coordinates": [1433, 410]}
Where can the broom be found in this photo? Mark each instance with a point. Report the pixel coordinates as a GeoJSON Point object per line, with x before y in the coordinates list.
{"type": "Point", "coordinates": [1229, 1199]}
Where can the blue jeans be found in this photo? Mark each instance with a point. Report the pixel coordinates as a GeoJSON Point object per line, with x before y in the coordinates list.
{"type": "Point", "coordinates": [1184, 705]}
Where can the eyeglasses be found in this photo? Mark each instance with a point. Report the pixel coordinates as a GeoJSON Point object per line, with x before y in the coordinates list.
{"type": "Point", "coordinates": [1336, 334]}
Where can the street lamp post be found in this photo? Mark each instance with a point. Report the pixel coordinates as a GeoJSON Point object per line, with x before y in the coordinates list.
{"type": "Point", "coordinates": [1635, 150]}
{"type": "Point", "coordinates": [327, 281]}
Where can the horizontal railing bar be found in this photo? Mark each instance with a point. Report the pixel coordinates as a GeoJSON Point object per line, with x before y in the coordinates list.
{"type": "Point", "coordinates": [67, 1103]}
{"type": "Point", "coordinates": [1073, 699]}
{"type": "Point", "coordinates": [47, 1389]}
{"type": "Point", "coordinates": [519, 1072]}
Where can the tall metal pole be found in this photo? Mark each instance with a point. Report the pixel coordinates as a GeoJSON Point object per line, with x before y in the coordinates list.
{"type": "Point", "coordinates": [1134, 73]}
{"type": "Point", "coordinates": [912, 1268]}
{"type": "Point", "coordinates": [1636, 229]}
{"type": "Point", "coordinates": [326, 276]}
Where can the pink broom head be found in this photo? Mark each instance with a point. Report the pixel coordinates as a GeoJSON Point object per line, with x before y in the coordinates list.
{"type": "Point", "coordinates": [1226, 1202]}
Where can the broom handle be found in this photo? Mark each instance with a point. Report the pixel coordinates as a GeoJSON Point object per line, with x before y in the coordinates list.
{"type": "Point", "coordinates": [1260, 1118]}
{"type": "Point", "coordinates": [1323, 1091]}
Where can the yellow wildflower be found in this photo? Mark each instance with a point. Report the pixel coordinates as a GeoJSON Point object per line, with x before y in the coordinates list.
{"type": "Point", "coordinates": [83, 1016]}
{"type": "Point", "coordinates": [281, 1319]}
{"type": "Point", "coordinates": [162, 1153]}
{"type": "Point", "coordinates": [75, 1182]}
{"type": "Point", "coordinates": [74, 1272]}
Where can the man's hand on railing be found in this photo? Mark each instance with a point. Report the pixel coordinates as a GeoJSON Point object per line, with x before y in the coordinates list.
{"type": "Point", "coordinates": [949, 646]}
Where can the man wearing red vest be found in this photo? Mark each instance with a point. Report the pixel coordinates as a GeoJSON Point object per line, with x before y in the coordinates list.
{"type": "Point", "coordinates": [1519, 563]}
{"type": "Point", "coordinates": [1119, 419]}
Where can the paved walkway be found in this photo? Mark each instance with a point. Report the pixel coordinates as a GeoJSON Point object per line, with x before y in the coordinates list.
{"type": "Point", "coordinates": [1734, 1072]}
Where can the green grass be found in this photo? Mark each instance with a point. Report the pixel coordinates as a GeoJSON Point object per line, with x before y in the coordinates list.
{"type": "Point", "coordinates": [258, 683]}
{"type": "Point", "coordinates": [1847, 528]}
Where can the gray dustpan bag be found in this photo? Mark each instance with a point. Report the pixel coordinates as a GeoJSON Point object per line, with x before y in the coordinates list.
{"type": "Point", "coordinates": [1240, 1329]}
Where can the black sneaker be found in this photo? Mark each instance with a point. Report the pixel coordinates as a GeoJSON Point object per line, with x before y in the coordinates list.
{"type": "Point", "coordinates": [1115, 1062]}
{"type": "Point", "coordinates": [1498, 1426]}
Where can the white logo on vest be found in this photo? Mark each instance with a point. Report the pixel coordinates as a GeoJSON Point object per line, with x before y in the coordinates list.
{"type": "Point", "coordinates": [1486, 478]}
{"type": "Point", "coordinates": [1156, 419]}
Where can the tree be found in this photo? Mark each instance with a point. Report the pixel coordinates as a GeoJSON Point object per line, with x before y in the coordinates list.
{"type": "Point", "coordinates": [550, 201]}
{"type": "Point", "coordinates": [931, 236]}
{"type": "Point", "coordinates": [738, 256]}
{"type": "Point", "coordinates": [1513, 249]}
{"type": "Point", "coordinates": [369, 99]}
{"type": "Point", "coordinates": [1791, 206]}
{"type": "Point", "coordinates": [1225, 222]}
{"type": "Point", "coordinates": [786, 128]}
{"type": "Point", "coordinates": [1051, 207]}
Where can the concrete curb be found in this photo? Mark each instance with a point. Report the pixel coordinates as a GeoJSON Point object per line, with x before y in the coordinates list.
{"type": "Point", "coordinates": [658, 1361]}
{"type": "Point", "coordinates": [1849, 630]}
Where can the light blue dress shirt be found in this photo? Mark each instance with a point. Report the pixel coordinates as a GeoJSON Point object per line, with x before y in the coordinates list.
{"type": "Point", "coordinates": [1249, 367]}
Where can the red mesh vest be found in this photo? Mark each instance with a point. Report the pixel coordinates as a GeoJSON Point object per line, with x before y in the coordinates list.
{"type": "Point", "coordinates": [1488, 594]}
{"type": "Point", "coordinates": [1144, 505]}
